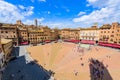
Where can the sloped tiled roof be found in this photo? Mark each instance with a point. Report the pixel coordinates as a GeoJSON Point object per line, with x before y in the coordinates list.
{"type": "Point", "coordinates": [105, 26]}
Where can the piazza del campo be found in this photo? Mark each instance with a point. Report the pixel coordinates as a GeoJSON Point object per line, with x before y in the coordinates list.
{"type": "Point", "coordinates": [44, 52]}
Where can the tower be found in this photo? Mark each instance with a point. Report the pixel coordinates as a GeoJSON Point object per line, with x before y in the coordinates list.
{"type": "Point", "coordinates": [19, 22]}
{"type": "Point", "coordinates": [36, 23]}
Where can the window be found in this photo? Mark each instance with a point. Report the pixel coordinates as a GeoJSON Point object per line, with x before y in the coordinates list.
{"type": "Point", "coordinates": [111, 40]}
{"type": "Point", "coordinates": [2, 60]}
{"type": "Point", "coordinates": [113, 26]}
{"type": "Point", "coordinates": [6, 32]}
{"type": "Point", "coordinates": [112, 35]}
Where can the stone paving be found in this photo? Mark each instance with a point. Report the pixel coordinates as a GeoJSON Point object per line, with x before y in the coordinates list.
{"type": "Point", "coordinates": [68, 63]}
{"type": "Point", "coordinates": [24, 68]}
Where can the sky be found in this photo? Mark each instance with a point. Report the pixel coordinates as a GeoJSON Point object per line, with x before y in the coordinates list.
{"type": "Point", "coordinates": [61, 13]}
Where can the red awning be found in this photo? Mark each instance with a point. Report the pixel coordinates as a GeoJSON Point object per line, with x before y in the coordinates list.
{"type": "Point", "coordinates": [88, 42]}
{"type": "Point", "coordinates": [24, 43]}
{"type": "Point", "coordinates": [72, 40]}
{"type": "Point", "coordinates": [113, 45]}
{"type": "Point", "coordinates": [47, 41]}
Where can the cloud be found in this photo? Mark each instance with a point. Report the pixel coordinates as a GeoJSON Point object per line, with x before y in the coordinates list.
{"type": "Point", "coordinates": [67, 10]}
{"type": "Point", "coordinates": [30, 22]}
{"type": "Point", "coordinates": [61, 24]}
{"type": "Point", "coordinates": [42, 0]}
{"type": "Point", "coordinates": [21, 6]}
{"type": "Point", "coordinates": [28, 11]}
{"type": "Point", "coordinates": [41, 19]}
{"type": "Point", "coordinates": [48, 12]}
{"type": "Point", "coordinates": [38, 0]}
{"type": "Point", "coordinates": [55, 24]}
{"type": "Point", "coordinates": [55, 6]}
{"type": "Point", "coordinates": [96, 15]}
{"type": "Point", "coordinates": [92, 1]}
{"type": "Point", "coordinates": [81, 13]}
{"type": "Point", "coordinates": [58, 14]}
{"type": "Point", "coordinates": [9, 13]}
{"type": "Point", "coordinates": [103, 3]}
{"type": "Point", "coordinates": [106, 13]}
{"type": "Point", "coordinates": [32, 0]}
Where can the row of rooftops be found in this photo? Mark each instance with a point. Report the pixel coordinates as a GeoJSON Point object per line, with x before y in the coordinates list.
{"type": "Point", "coordinates": [105, 26]}
{"type": "Point", "coordinates": [33, 28]}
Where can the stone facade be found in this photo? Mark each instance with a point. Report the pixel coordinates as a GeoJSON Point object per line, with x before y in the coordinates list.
{"type": "Point", "coordinates": [69, 33]}
{"type": "Point", "coordinates": [27, 33]}
{"type": "Point", "coordinates": [64, 34]}
{"type": "Point", "coordinates": [90, 33]}
{"type": "Point", "coordinates": [110, 33]}
{"type": "Point", "coordinates": [7, 46]}
{"type": "Point", "coordinates": [105, 33]}
{"type": "Point", "coordinates": [34, 37]}
{"type": "Point", "coordinates": [35, 34]}
{"type": "Point", "coordinates": [1, 56]}
{"type": "Point", "coordinates": [74, 34]}
{"type": "Point", "coordinates": [9, 31]}
{"type": "Point", "coordinates": [47, 33]}
{"type": "Point", "coordinates": [23, 34]}
{"type": "Point", "coordinates": [118, 35]}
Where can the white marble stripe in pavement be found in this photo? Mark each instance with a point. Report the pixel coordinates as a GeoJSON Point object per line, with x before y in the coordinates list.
{"type": "Point", "coordinates": [23, 52]}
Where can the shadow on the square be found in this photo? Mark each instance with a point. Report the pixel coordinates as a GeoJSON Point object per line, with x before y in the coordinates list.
{"type": "Point", "coordinates": [98, 71]}
{"type": "Point", "coordinates": [19, 69]}
{"type": "Point", "coordinates": [15, 51]}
